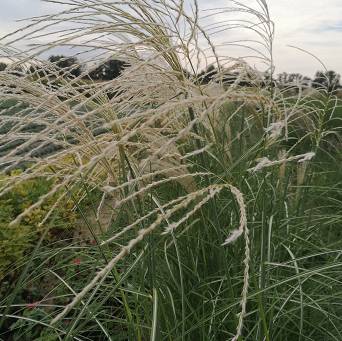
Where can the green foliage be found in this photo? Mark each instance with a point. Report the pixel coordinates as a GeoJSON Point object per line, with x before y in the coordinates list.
{"type": "Point", "coordinates": [22, 329]}
{"type": "Point", "coordinates": [18, 240]}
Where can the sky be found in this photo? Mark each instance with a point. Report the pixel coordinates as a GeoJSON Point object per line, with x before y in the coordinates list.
{"type": "Point", "coordinates": [311, 25]}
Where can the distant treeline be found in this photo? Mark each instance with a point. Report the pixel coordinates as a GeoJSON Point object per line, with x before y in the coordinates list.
{"type": "Point", "coordinates": [111, 69]}
{"type": "Point", "coordinates": [72, 67]}
{"type": "Point", "coordinates": [329, 80]}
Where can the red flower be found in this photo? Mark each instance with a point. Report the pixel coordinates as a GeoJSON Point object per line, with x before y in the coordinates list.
{"type": "Point", "coordinates": [93, 242]}
{"type": "Point", "coordinates": [77, 261]}
{"type": "Point", "coordinates": [32, 305]}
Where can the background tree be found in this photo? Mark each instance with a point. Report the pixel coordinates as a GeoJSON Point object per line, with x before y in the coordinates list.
{"type": "Point", "coordinates": [3, 66]}
{"type": "Point", "coordinates": [285, 78]}
{"type": "Point", "coordinates": [39, 71]}
{"type": "Point", "coordinates": [268, 80]}
{"type": "Point", "coordinates": [307, 81]}
{"type": "Point", "coordinates": [67, 65]}
{"type": "Point", "coordinates": [109, 70]}
{"type": "Point", "coordinates": [329, 80]}
{"type": "Point", "coordinates": [207, 75]}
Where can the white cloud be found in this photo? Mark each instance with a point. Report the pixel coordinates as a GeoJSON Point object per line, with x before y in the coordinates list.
{"type": "Point", "coordinates": [313, 25]}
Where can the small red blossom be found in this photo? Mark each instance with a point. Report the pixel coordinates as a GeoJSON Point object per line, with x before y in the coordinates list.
{"type": "Point", "coordinates": [32, 305]}
{"type": "Point", "coordinates": [93, 242]}
{"type": "Point", "coordinates": [76, 261]}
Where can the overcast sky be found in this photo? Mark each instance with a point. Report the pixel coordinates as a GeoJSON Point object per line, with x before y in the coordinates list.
{"type": "Point", "coordinates": [313, 25]}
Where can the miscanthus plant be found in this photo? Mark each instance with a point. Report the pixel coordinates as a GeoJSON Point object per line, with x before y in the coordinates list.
{"type": "Point", "coordinates": [212, 209]}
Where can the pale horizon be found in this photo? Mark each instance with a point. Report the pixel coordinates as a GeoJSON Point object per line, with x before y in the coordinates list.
{"type": "Point", "coordinates": [313, 26]}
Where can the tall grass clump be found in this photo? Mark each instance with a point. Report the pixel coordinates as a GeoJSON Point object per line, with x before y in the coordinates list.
{"type": "Point", "coordinates": [206, 210]}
